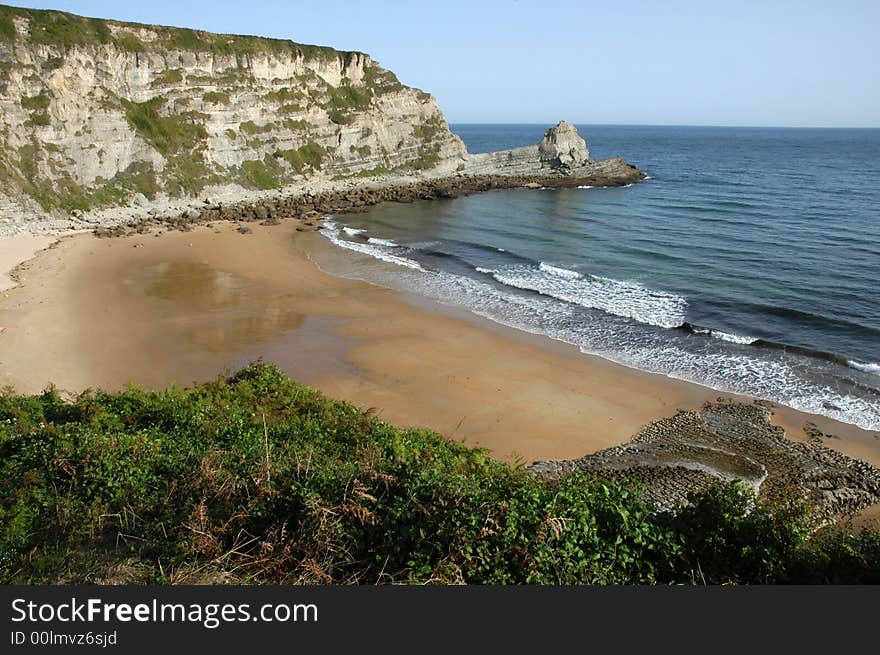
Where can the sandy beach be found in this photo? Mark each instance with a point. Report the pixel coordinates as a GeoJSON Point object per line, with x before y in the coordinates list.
{"type": "Point", "coordinates": [17, 249]}
{"type": "Point", "coordinates": [183, 307]}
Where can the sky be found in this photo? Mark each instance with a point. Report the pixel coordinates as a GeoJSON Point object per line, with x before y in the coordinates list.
{"type": "Point", "coordinates": [771, 63]}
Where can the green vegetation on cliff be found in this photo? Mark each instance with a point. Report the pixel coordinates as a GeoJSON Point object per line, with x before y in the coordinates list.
{"type": "Point", "coordinates": [261, 174]}
{"type": "Point", "coordinates": [68, 30]}
{"type": "Point", "coordinates": [256, 478]}
{"type": "Point", "coordinates": [62, 145]}
{"type": "Point", "coordinates": [167, 134]}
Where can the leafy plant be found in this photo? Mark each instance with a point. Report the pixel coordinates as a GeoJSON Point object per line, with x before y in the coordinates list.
{"type": "Point", "coordinates": [255, 478]}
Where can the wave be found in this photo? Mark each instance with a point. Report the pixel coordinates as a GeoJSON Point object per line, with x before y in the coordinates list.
{"type": "Point", "coordinates": [802, 350]}
{"type": "Point", "coordinates": [380, 250]}
{"type": "Point", "coordinates": [561, 303]}
{"type": "Point", "coordinates": [561, 272]}
{"type": "Point", "coordinates": [381, 242]}
{"type": "Point", "coordinates": [716, 334]}
{"type": "Point", "coordinates": [867, 367]}
{"type": "Point", "coordinates": [615, 297]}
{"type": "Point", "coordinates": [820, 320]}
{"type": "Point", "coordinates": [626, 299]}
{"type": "Point", "coordinates": [822, 355]}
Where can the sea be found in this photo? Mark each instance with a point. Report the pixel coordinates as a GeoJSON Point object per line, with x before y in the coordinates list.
{"type": "Point", "coordinates": [748, 261]}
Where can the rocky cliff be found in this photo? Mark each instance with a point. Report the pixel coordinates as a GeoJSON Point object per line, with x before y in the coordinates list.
{"type": "Point", "coordinates": [94, 112]}
{"type": "Point", "coordinates": [98, 114]}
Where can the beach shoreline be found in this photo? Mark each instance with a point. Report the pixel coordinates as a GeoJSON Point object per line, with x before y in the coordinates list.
{"type": "Point", "coordinates": [183, 307]}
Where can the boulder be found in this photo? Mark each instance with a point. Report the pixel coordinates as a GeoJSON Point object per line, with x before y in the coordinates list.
{"type": "Point", "coordinates": [562, 146]}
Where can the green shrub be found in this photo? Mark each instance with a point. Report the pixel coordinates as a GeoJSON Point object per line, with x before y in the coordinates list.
{"type": "Point", "coordinates": [53, 63]}
{"type": "Point", "coordinates": [291, 124]}
{"type": "Point", "coordinates": [37, 102]}
{"type": "Point", "coordinates": [308, 156]}
{"type": "Point", "coordinates": [68, 30]}
{"type": "Point", "coordinates": [7, 28]}
{"type": "Point", "coordinates": [340, 117]}
{"type": "Point", "coordinates": [168, 134]}
{"type": "Point", "coordinates": [130, 43]}
{"type": "Point", "coordinates": [729, 537]}
{"type": "Point", "coordinates": [216, 97]}
{"type": "Point", "coordinates": [256, 478]}
{"type": "Point", "coordinates": [40, 118]}
{"type": "Point", "coordinates": [344, 101]}
{"type": "Point", "coordinates": [250, 128]}
{"type": "Point", "coordinates": [171, 76]}
{"type": "Point", "coordinates": [261, 175]}
{"type": "Point", "coordinates": [372, 172]}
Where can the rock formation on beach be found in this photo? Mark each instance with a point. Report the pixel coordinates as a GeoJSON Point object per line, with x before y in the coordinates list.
{"type": "Point", "coordinates": [99, 114]}
{"type": "Point", "coordinates": [727, 441]}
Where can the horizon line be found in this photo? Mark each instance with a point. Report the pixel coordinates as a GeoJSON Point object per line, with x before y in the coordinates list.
{"type": "Point", "coordinates": [762, 127]}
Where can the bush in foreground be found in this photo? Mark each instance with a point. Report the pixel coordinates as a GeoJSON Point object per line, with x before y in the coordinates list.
{"type": "Point", "coordinates": [255, 478]}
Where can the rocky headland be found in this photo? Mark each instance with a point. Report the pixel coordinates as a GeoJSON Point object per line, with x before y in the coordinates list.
{"type": "Point", "coordinates": [106, 123]}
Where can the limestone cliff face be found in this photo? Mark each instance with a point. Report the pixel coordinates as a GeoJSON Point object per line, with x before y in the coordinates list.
{"type": "Point", "coordinates": [98, 113]}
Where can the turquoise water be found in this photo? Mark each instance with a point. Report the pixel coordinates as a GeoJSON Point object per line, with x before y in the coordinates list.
{"type": "Point", "coordinates": [748, 262]}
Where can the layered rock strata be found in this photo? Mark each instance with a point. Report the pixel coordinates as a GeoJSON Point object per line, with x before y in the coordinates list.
{"type": "Point", "coordinates": [725, 441]}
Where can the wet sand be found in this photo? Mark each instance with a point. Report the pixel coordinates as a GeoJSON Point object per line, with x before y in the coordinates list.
{"type": "Point", "coordinates": [183, 307]}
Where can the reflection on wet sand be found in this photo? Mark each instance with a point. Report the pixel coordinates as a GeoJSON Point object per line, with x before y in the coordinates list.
{"type": "Point", "coordinates": [215, 311]}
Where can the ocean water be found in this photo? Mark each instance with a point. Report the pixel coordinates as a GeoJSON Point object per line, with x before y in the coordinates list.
{"type": "Point", "coordinates": [749, 261]}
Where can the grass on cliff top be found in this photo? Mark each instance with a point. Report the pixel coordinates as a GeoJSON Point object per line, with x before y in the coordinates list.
{"type": "Point", "coordinates": [256, 478]}
{"type": "Point", "coordinates": [65, 30]}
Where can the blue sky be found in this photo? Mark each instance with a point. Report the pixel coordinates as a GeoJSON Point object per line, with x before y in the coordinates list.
{"type": "Point", "coordinates": [779, 63]}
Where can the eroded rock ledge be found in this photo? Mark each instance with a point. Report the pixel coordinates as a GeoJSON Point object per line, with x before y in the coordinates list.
{"type": "Point", "coordinates": [561, 160]}
{"type": "Point", "coordinates": [732, 441]}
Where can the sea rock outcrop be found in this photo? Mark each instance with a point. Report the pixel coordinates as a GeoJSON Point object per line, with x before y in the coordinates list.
{"type": "Point", "coordinates": [562, 153]}
{"type": "Point", "coordinates": [562, 146]}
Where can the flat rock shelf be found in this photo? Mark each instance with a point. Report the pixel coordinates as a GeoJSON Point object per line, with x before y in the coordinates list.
{"type": "Point", "coordinates": [728, 441]}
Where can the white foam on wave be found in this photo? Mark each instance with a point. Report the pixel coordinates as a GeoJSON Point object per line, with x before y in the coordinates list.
{"type": "Point", "coordinates": [775, 378]}
{"type": "Point", "coordinates": [586, 186]}
{"type": "Point", "coordinates": [778, 377]}
{"type": "Point", "coordinates": [480, 269]}
{"type": "Point", "coordinates": [561, 272]}
{"type": "Point", "coordinates": [733, 338]}
{"type": "Point", "coordinates": [626, 299]}
{"type": "Point", "coordinates": [353, 232]}
{"type": "Point", "coordinates": [378, 250]}
{"type": "Point", "coordinates": [867, 367]}
{"type": "Point", "coordinates": [382, 242]}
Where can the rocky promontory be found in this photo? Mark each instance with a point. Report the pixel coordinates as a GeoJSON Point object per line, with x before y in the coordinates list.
{"type": "Point", "coordinates": [534, 169]}
{"type": "Point", "coordinates": [103, 123]}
